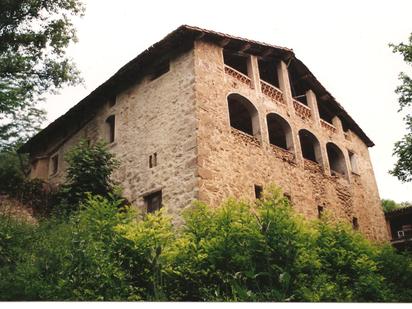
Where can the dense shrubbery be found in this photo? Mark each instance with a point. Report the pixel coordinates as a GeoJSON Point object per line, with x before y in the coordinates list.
{"type": "Point", "coordinates": [238, 252]}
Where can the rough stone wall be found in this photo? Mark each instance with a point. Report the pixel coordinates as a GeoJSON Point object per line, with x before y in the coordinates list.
{"type": "Point", "coordinates": [155, 116]}
{"type": "Point", "coordinates": [231, 162]}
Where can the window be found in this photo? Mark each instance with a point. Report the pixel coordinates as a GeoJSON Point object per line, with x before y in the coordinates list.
{"type": "Point", "coordinates": [268, 71]}
{"type": "Point", "coordinates": [258, 191]}
{"type": "Point", "coordinates": [236, 61]}
{"type": "Point", "coordinates": [288, 197]}
{"type": "Point", "coordinates": [153, 201]}
{"type": "Point", "coordinates": [112, 100]}
{"type": "Point", "coordinates": [353, 162]}
{"type": "Point", "coordinates": [153, 160]}
{"type": "Point", "coordinates": [320, 211]}
{"type": "Point", "coordinates": [355, 223]}
{"type": "Point", "coordinates": [110, 128]}
{"type": "Point", "coordinates": [54, 164]}
{"type": "Point", "coordinates": [160, 69]}
{"type": "Point", "coordinates": [310, 146]}
{"type": "Point", "coordinates": [280, 133]}
{"type": "Point", "coordinates": [243, 114]}
{"type": "Point", "coordinates": [336, 159]}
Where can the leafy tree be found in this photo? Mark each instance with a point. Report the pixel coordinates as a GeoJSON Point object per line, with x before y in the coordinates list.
{"type": "Point", "coordinates": [34, 35]}
{"type": "Point", "coordinates": [389, 205]}
{"type": "Point", "coordinates": [89, 170]}
{"type": "Point", "coordinates": [403, 148]}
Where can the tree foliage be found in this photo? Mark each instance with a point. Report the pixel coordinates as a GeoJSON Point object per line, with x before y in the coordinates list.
{"type": "Point", "coordinates": [403, 148]}
{"type": "Point", "coordinates": [239, 251]}
{"type": "Point", "coordinates": [89, 171]}
{"type": "Point", "coordinates": [34, 35]}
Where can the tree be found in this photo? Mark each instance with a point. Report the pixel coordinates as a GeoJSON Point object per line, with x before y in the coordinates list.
{"type": "Point", "coordinates": [403, 148]}
{"type": "Point", "coordinates": [89, 171]}
{"type": "Point", "coordinates": [34, 35]}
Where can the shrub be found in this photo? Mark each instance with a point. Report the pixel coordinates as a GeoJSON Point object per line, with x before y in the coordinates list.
{"type": "Point", "coordinates": [237, 252]}
{"type": "Point", "coordinates": [89, 170]}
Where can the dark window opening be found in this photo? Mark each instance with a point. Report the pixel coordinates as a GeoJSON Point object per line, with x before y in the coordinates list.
{"type": "Point", "coordinates": [241, 113]}
{"type": "Point", "coordinates": [345, 125]}
{"type": "Point", "coordinates": [54, 164]}
{"type": "Point", "coordinates": [288, 197]}
{"type": "Point", "coordinates": [268, 71]}
{"type": "Point", "coordinates": [153, 160]}
{"type": "Point", "coordinates": [236, 61]}
{"type": "Point", "coordinates": [324, 112]}
{"type": "Point", "coordinates": [258, 191]}
{"type": "Point", "coordinates": [160, 69]}
{"type": "Point", "coordinates": [112, 100]}
{"type": "Point", "coordinates": [153, 201]}
{"type": "Point", "coordinates": [308, 143]}
{"type": "Point", "coordinates": [355, 223]}
{"type": "Point", "coordinates": [279, 131]}
{"type": "Point", "coordinates": [110, 126]}
{"type": "Point", "coordinates": [320, 211]}
{"type": "Point", "coordinates": [299, 86]}
{"type": "Point", "coordinates": [336, 159]}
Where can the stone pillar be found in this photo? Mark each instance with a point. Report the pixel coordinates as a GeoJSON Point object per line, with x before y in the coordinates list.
{"type": "Point", "coordinates": [337, 123]}
{"type": "Point", "coordinates": [253, 72]}
{"type": "Point", "coordinates": [325, 159]}
{"type": "Point", "coordinates": [313, 105]}
{"type": "Point", "coordinates": [284, 84]}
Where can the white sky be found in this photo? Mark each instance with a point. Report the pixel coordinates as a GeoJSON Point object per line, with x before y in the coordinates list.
{"type": "Point", "coordinates": [344, 44]}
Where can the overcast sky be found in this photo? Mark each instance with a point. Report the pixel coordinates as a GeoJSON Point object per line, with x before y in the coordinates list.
{"type": "Point", "coordinates": [344, 44]}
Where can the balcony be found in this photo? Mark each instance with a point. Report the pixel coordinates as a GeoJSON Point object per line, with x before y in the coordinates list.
{"type": "Point", "coordinates": [328, 126]}
{"type": "Point", "coordinates": [302, 110]}
{"type": "Point", "coordinates": [238, 75]}
{"type": "Point", "coordinates": [272, 92]}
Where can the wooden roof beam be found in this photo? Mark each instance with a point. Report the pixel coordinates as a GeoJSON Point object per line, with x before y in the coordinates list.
{"type": "Point", "coordinates": [224, 42]}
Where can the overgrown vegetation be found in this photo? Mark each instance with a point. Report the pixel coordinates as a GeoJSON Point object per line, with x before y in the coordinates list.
{"type": "Point", "coordinates": [403, 148]}
{"type": "Point", "coordinates": [389, 205]}
{"type": "Point", "coordinates": [238, 252]}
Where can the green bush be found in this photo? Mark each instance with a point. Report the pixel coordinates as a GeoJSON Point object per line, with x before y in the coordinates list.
{"type": "Point", "coordinates": [240, 251]}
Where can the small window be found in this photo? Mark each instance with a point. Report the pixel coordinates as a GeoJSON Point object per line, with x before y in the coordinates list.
{"type": "Point", "coordinates": [355, 223]}
{"type": "Point", "coordinates": [160, 69]}
{"type": "Point", "coordinates": [54, 164]}
{"type": "Point", "coordinates": [153, 160]}
{"type": "Point", "coordinates": [112, 100]}
{"type": "Point", "coordinates": [110, 128]}
{"type": "Point", "coordinates": [258, 191]}
{"type": "Point", "coordinates": [153, 201]}
{"type": "Point", "coordinates": [288, 197]}
{"type": "Point", "coordinates": [320, 211]}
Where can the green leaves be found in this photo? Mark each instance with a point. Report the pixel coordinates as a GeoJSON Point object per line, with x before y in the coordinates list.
{"type": "Point", "coordinates": [403, 148]}
{"type": "Point", "coordinates": [239, 251]}
{"type": "Point", "coordinates": [33, 62]}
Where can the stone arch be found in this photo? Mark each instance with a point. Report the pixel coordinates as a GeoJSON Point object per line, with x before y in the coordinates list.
{"type": "Point", "coordinates": [279, 131]}
{"type": "Point", "coordinates": [310, 146]}
{"type": "Point", "coordinates": [243, 114]}
{"type": "Point", "coordinates": [336, 159]}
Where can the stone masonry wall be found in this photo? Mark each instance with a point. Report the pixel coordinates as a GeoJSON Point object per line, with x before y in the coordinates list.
{"type": "Point", "coordinates": [151, 117]}
{"type": "Point", "coordinates": [231, 162]}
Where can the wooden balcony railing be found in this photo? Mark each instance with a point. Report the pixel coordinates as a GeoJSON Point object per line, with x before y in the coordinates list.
{"type": "Point", "coordinates": [238, 75]}
{"type": "Point", "coordinates": [272, 92]}
{"type": "Point", "coordinates": [330, 127]}
{"type": "Point", "coordinates": [302, 110]}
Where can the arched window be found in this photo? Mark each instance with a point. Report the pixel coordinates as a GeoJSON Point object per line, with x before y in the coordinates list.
{"type": "Point", "coordinates": [110, 129]}
{"type": "Point", "coordinates": [243, 114]}
{"type": "Point", "coordinates": [336, 159]}
{"type": "Point", "coordinates": [310, 146]}
{"type": "Point", "coordinates": [280, 133]}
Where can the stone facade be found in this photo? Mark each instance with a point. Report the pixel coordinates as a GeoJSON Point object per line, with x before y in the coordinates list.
{"type": "Point", "coordinates": [183, 117]}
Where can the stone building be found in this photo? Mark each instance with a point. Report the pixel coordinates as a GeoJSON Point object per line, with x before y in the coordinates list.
{"type": "Point", "coordinates": [205, 115]}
